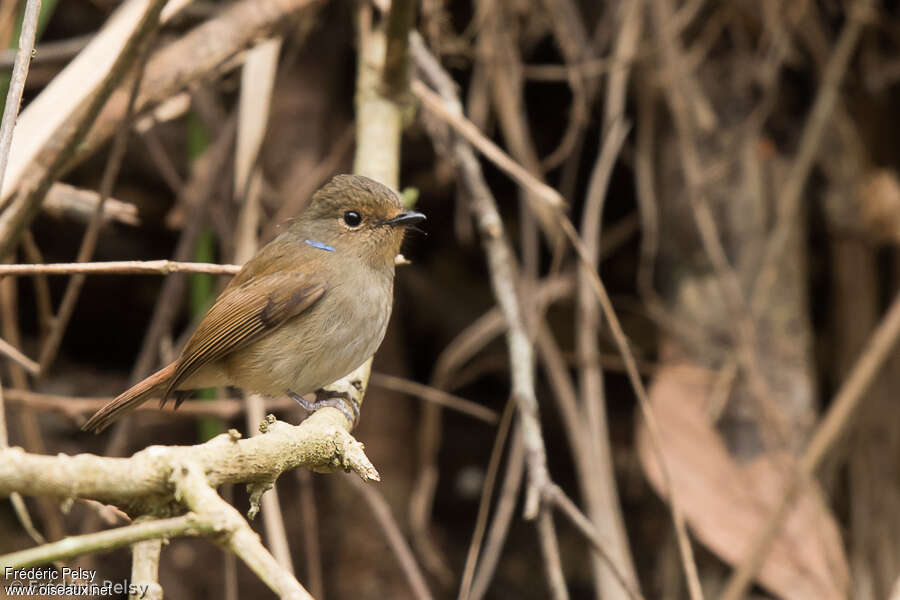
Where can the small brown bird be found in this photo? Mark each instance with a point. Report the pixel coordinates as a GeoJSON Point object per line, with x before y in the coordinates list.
{"type": "Point", "coordinates": [310, 307]}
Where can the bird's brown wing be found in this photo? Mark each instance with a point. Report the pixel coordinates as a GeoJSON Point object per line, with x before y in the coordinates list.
{"type": "Point", "coordinates": [243, 314]}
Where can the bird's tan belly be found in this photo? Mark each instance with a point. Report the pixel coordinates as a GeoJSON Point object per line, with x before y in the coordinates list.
{"type": "Point", "coordinates": [316, 348]}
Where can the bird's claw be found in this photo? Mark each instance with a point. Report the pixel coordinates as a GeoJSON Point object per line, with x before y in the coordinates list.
{"type": "Point", "coordinates": [339, 400]}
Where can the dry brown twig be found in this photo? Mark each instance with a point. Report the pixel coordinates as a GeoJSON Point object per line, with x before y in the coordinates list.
{"type": "Point", "coordinates": [210, 46]}
{"type": "Point", "coordinates": [122, 267]}
{"type": "Point", "coordinates": [504, 282]}
{"type": "Point", "coordinates": [599, 488]}
{"type": "Point", "coordinates": [257, 83]}
{"type": "Point", "coordinates": [840, 412]}
{"type": "Point", "coordinates": [13, 353]}
{"type": "Point", "coordinates": [789, 201]}
{"type": "Point", "coordinates": [311, 546]}
{"type": "Point", "coordinates": [448, 375]}
{"type": "Point", "coordinates": [484, 502]}
{"type": "Point", "coordinates": [17, 81]}
{"type": "Point", "coordinates": [47, 167]}
{"type": "Point", "coordinates": [80, 408]}
{"type": "Point", "coordinates": [146, 34]}
{"type": "Point", "coordinates": [435, 396]}
{"type": "Point", "coordinates": [503, 514]}
{"type": "Point", "coordinates": [19, 74]}
{"type": "Point", "coordinates": [571, 37]}
{"type": "Point", "coordinates": [683, 93]}
{"type": "Point", "coordinates": [197, 195]}
{"type": "Point", "coordinates": [503, 278]}
{"type": "Point", "coordinates": [466, 129]}
{"type": "Point", "coordinates": [385, 518]}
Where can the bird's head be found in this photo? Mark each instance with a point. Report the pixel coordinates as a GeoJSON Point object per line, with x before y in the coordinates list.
{"type": "Point", "coordinates": [356, 215]}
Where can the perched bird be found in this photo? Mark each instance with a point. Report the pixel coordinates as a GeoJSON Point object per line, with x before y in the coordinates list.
{"type": "Point", "coordinates": [310, 307]}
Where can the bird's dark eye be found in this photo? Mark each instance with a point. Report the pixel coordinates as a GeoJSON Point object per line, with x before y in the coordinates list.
{"type": "Point", "coordinates": [352, 218]}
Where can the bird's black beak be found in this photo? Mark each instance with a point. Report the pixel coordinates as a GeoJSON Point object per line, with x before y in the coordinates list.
{"type": "Point", "coordinates": [406, 218]}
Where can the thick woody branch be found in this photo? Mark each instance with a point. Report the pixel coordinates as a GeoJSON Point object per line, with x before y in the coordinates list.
{"type": "Point", "coordinates": [140, 484]}
{"type": "Point", "coordinates": [192, 487]}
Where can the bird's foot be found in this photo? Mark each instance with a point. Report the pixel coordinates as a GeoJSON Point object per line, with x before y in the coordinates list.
{"type": "Point", "coordinates": [339, 400]}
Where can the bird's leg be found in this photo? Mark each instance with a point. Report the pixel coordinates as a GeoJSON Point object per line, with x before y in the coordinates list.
{"type": "Point", "coordinates": [339, 400]}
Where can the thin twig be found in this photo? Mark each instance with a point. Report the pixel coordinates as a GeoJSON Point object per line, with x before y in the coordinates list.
{"type": "Point", "coordinates": [17, 215]}
{"type": "Point", "coordinates": [455, 119]}
{"type": "Point", "coordinates": [314, 576]}
{"type": "Point", "coordinates": [556, 580]}
{"type": "Point", "coordinates": [791, 195]}
{"type": "Point", "coordinates": [104, 541]}
{"type": "Point", "coordinates": [55, 51]}
{"type": "Point", "coordinates": [682, 89]}
{"type": "Point", "coordinates": [160, 158]}
{"type": "Point", "coordinates": [599, 486]}
{"type": "Point", "coordinates": [395, 539]}
{"type": "Point", "coordinates": [600, 490]}
{"type": "Point", "coordinates": [684, 545]}
{"type": "Point", "coordinates": [121, 267]}
{"type": "Point", "coordinates": [197, 195]}
{"type": "Point", "coordinates": [571, 37]}
{"type": "Point", "coordinates": [503, 514]}
{"type": "Point", "coordinates": [12, 353]}
{"type": "Point", "coordinates": [79, 408]}
{"type": "Point", "coordinates": [436, 396]}
{"type": "Point", "coordinates": [15, 498]}
{"type": "Point", "coordinates": [484, 504]}
{"type": "Point", "coordinates": [559, 499]}
{"type": "Point", "coordinates": [489, 149]}
{"type": "Point", "coordinates": [17, 81]}
{"type": "Point", "coordinates": [503, 270]}
{"type": "Point", "coordinates": [564, 389]}
{"type": "Point", "coordinates": [841, 409]}
{"type": "Point", "coordinates": [89, 242]}
{"type": "Point", "coordinates": [498, 52]}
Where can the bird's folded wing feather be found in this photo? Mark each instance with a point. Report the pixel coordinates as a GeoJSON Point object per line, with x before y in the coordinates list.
{"type": "Point", "coordinates": [243, 314]}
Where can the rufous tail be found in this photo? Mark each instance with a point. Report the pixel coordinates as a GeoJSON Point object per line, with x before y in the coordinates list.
{"type": "Point", "coordinates": [130, 399]}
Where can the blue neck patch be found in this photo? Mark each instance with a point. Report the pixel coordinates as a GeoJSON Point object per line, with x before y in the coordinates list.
{"type": "Point", "coordinates": [319, 245]}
